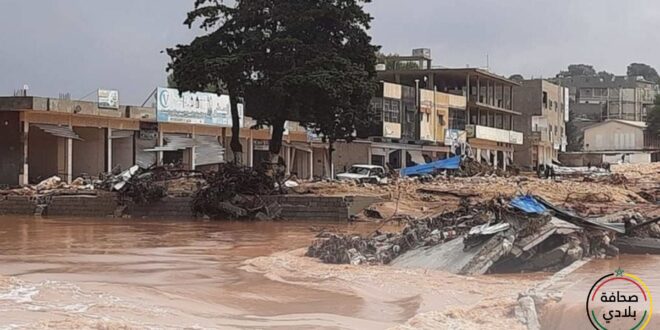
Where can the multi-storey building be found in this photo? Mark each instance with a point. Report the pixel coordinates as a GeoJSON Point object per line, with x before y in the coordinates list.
{"type": "Point", "coordinates": [602, 98]}
{"type": "Point", "coordinates": [488, 117]}
{"type": "Point", "coordinates": [412, 125]}
{"type": "Point", "coordinates": [545, 109]}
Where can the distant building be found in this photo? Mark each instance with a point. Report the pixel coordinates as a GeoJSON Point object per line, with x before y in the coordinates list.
{"type": "Point", "coordinates": [545, 110]}
{"type": "Point", "coordinates": [412, 125]}
{"type": "Point", "coordinates": [616, 141]}
{"type": "Point", "coordinates": [601, 98]}
{"type": "Point", "coordinates": [488, 118]}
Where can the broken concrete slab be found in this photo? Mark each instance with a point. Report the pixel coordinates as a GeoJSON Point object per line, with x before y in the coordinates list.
{"type": "Point", "coordinates": [637, 245]}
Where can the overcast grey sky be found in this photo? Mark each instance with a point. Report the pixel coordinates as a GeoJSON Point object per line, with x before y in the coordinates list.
{"type": "Point", "coordinates": [78, 46]}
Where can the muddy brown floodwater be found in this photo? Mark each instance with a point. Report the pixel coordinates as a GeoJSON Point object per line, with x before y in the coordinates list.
{"type": "Point", "coordinates": [135, 274]}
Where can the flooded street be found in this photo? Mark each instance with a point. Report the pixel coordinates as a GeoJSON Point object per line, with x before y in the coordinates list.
{"type": "Point", "coordinates": [108, 274]}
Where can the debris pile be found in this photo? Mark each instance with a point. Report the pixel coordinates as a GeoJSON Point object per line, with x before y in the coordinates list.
{"type": "Point", "coordinates": [523, 233]}
{"type": "Point", "coordinates": [235, 191]}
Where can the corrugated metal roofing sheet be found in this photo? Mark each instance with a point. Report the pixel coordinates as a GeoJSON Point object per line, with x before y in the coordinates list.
{"type": "Point", "coordinates": [60, 131]}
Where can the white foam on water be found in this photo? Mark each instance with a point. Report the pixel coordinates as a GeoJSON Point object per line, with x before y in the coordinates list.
{"type": "Point", "coordinates": [19, 292]}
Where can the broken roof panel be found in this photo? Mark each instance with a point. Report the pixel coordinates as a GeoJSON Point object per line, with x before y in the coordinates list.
{"type": "Point", "coordinates": [528, 204]}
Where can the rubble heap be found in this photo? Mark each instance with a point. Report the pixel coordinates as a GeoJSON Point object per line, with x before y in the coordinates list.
{"type": "Point", "coordinates": [235, 191]}
{"type": "Point", "coordinates": [523, 233]}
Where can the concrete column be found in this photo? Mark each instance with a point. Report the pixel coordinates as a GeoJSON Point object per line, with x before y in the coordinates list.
{"type": "Point", "coordinates": [311, 163]}
{"type": "Point", "coordinates": [109, 149]}
{"type": "Point", "coordinates": [69, 160]}
{"type": "Point", "coordinates": [23, 179]}
{"type": "Point", "coordinates": [505, 161]}
{"type": "Point", "coordinates": [251, 150]}
{"type": "Point", "coordinates": [159, 155]}
{"type": "Point", "coordinates": [495, 160]}
{"type": "Point", "coordinates": [193, 163]}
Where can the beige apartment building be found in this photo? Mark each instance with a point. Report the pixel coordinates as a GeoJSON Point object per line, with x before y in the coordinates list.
{"type": "Point", "coordinates": [544, 109]}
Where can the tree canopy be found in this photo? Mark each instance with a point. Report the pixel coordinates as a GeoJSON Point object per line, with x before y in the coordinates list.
{"type": "Point", "coordinates": [308, 61]}
{"type": "Point", "coordinates": [653, 117]}
{"type": "Point", "coordinates": [578, 70]}
{"type": "Point", "coordinates": [644, 70]}
{"type": "Point", "coordinates": [516, 77]}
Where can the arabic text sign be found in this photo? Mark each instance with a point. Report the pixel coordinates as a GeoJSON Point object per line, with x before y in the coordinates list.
{"type": "Point", "coordinates": [194, 108]}
{"type": "Point", "coordinates": [108, 99]}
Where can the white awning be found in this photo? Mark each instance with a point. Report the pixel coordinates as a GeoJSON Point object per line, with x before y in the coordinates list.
{"type": "Point", "coordinates": [59, 131]}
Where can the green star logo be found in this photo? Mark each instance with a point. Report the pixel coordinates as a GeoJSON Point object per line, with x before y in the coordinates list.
{"type": "Point", "coordinates": [619, 272]}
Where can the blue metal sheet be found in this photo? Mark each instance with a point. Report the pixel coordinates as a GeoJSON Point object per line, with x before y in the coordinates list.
{"type": "Point", "coordinates": [452, 163]}
{"type": "Point", "coordinates": [528, 204]}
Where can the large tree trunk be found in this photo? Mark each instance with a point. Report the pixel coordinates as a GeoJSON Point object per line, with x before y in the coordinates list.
{"type": "Point", "coordinates": [275, 144]}
{"type": "Point", "coordinates": [236, 147]}
{"type": "Point", "coordinates": [274, 147]}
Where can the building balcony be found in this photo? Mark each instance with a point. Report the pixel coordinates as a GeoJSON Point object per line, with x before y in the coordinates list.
{"type": "Point", "coordinates": [498, 105]}
{"type": "Point", "coordinates": [494, 134]}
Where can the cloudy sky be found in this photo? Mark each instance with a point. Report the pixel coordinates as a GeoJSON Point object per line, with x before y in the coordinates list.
{"type": "Point", "coordinates": [77, 46]}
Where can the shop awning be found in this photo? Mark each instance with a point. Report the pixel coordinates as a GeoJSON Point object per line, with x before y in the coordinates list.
{"type": "Point", "coordinates": [59, 131]}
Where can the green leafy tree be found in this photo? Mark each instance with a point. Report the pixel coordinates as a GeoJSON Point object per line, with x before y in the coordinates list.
{"type": "Point", "coordinates": [279, 55]}
{"type": "Point", "coordinates": [516, 77]}
{"type": "Point", "coordinates": [644, 70]}
{"type": "Point", "coordinates": [653, 118]}
{"type": "Point", "coordinates": [578, 70]}
{"type": "Point", "coordinates": [605, 75]}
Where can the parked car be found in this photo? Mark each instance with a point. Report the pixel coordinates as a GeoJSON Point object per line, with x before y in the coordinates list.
{"type": "Point", "coordinates": [364, 174]}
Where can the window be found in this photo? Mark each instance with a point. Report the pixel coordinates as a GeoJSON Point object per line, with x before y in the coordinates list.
{"type": "Point", "coordinates": [377, 106]}
{"type": "Point", "coordinates": [550, 133]}
{"type": "Point", "coordinates": [483, 118]}
{"type": "Point", "coordinates": [474, 119]}
{"type": "Point", "coordinates": [545, 100]}
{"type": "Point", "coordinates": [586, 92]}
{"type": "Point", "coordinates": [498, 121]}
{"type": "Point", "coordinates": [507, 122]}
{"type": "Point", "coordinates": [391, 111]}
{"type": "Point", "coordinates": [456, 119]}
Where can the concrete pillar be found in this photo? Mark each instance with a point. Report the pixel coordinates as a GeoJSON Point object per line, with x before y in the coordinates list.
{"type": "Point", "coordinates": [159, 155]}
{"type": "Point", "coordinates": [24, 177]}
{"type": "Point", "coordinates": [505, 160]}
{"type": "Point", "coordinates": [69, 160]}
{"type": "Point", "coordinates": [251, 150]}
{"type": "Point", "coordinates": [311, 163]}
{"type": "Point", "coordinates": [108, 146]}
{"type": "Point", "coordinates": [193, 162]}
{"type": "Point", "coordinates": [478, 155]}
{"type": "Point", "coordinates": [495, 160]}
